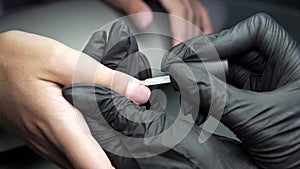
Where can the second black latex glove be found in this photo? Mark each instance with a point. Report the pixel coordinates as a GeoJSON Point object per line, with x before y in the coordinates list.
{"type": "Point", "coordinates": [115, 122]}
{"type": "Point", "coordinates": [262, 104]}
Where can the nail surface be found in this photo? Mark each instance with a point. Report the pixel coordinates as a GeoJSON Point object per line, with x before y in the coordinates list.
{"type": "Point", "coordinates": [137, 92]}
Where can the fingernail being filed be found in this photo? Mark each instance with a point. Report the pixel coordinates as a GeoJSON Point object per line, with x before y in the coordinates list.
{"type": "Point", "coordinates": [137, 92]}
{"type": "Point", "coordinates": [129, 86]}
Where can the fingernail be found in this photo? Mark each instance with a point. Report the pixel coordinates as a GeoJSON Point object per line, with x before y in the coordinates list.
{"type": "Point", "coordinates": [141, 94]}
{"type": "Point", "coordinates": [137, 92]}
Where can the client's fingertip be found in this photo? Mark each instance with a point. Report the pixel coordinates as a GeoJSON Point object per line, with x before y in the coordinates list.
{"type": "Point", "coordinates": [137, 92]}
{"type": "Point", "coordinates": [142, 94]}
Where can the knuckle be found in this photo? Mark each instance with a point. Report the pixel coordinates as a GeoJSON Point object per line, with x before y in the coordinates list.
{"type": "Point", "coordinates": [8, 39]}
{"type": "Point", "coordinates": [9, 35]}
{"type": "Point", "coordinates": [262, 17]}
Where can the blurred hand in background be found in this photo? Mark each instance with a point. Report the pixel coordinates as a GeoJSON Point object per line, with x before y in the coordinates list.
{"type": "Point", "coordinates": [183, 10]}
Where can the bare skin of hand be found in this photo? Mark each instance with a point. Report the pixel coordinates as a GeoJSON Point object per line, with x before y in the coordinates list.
{"type": "Point", "coordinates": [32, 71]}
{"type": "Point", "coordinates": [191, 11]}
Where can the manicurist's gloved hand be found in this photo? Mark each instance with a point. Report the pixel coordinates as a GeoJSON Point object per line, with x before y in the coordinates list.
{"type": "Point", "coordinates": [32, 70]}
{"type": "Point", "coordinates": [262, 99]}
{"type": "Point", "coordinates": [144, 136]}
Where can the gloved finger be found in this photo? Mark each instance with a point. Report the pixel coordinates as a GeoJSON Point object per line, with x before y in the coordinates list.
{"type": "Point", "coordinates": [206, 95]}
{"type": "Point", "coordinates": [96, 46]}
{"type": "Point", "coordinates": [110, 116]}
{"type": "Point", "coordinates": [190, 154]}
{"type": "Point", "coordinates": [188, 52]}
{"type": "Point", "coordinates": [123, 54]}
{"type": "Point", "coordinates": [267, 124]}
{"type": "Point", "coordinates": [250, 75]}
{"type": "Point", "coordinates": [257, 119]}
{"type": "Point", "coordinates": [249, 54]}
{"type": "Point", "coordinates": [120, 44]}
{"type": "Point", "coordinates": [136, 65]}
{"type": "Point", "coordinates": [245, 34]}
{"type": "Point", "coordinates": [253, 34]}
{"type": "Point", "coordinates": [96, 100]}
{"type": "Point", "coordinates": [198, 88]}
{"type": "Point", "coordinates": [240, 77]}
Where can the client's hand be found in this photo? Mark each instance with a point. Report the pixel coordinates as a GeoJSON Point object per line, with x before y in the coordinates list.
{"type": "Point", "coordinates": [32, 70]}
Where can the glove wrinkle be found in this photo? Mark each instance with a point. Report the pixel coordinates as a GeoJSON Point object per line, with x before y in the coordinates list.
{"type": "Point", "coordinates": [96, 47]}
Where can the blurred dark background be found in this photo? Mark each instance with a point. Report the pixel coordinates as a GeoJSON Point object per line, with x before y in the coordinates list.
{"type": "Point", "coordinates": [12, 4]}
{"type": "Point", "coordinates": [284, 11]}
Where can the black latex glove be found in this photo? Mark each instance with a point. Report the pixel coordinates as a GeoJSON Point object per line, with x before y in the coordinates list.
{"type": "Point", "coordinates": [111, 116]}
{"type": "Point", "coordinates": [263, 99]}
